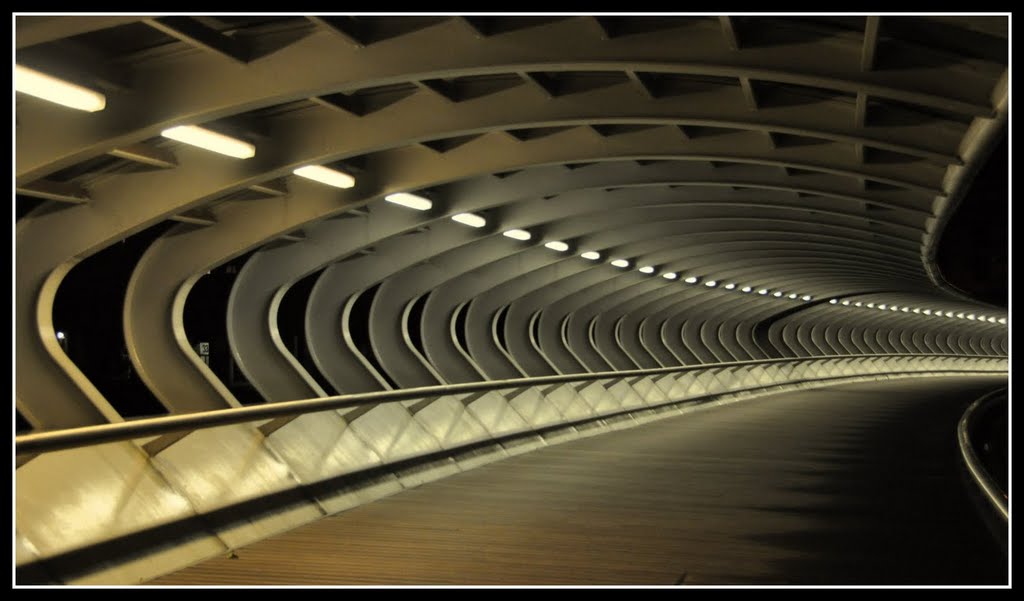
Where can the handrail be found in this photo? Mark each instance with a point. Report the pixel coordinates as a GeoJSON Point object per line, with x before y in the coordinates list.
{"type": "Point", "coordinates": [982, 478]}
{"type": "Point", "coordinates": [56, 440]}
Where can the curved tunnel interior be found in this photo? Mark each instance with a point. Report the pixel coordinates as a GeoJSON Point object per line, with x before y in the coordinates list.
{"type": "Point", "coordinates": [249, 210]}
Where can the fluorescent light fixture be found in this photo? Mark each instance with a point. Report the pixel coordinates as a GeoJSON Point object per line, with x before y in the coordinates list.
{"type": "Point", "coordinates": [1002, 320]}
{"type": "Point", "coordinates": [591, 255]}
{"type": "Point", "coordinates": [905, 309]}
{"type": "Point", "coordinates": [807, 297]}
{"type": "Point", "coordinates": [927, 311]}
{"type": "Point", "coordinates": [846, 303]}
{"type": "Point", "coordinates": [557, 245]}
{"type": "Point", "coordinates": [858, 304]}
{"type": "Point", "coordinates": [871, 305]}
{"type": "Point", "coordinates": [777, 294]}
{"type": "Point", "coordinates": [211, 140]}
{"type": "Point", "coordinates": [470, 219]}
{"type": "Point", "coordinates": [833, 302]}
{"type": "Point", "coordinates": [60, 336]}
{"type": "Point", "coordinates": [691, 280]}
{"type": "Point", "coordinates": [960, 315]}
{"type": "Point", "coordinates": [730, 286]}
{"type": "Point", "coordinates": [517, 234]}
{"type": "Point", "coordinates": [647, 269]}
{"type": "Point", "coordinates": [746, 289]}
{"type": "Point", "coordinates": [410, 201]}
{"type": "Point", "coordinates": [32, 82]}
{"type": "Point", "coordinates": [991, 319]}
{"type": "Point", "coordinates": [917, 310]}
{"type": "Point", "coordinates": [620, 263]}
{"type": "Point", "coordinates": [882, 307]}
{"type": "Point", "coordinates": [669, 275]}
{"type": "Point", "coordinates": [971, 316]}
{"type": "Point", "coordinates": [794, 296]}
{"type": "Point", "coordinates": [894, 308]}
{"type": "Point", "coordinates": [763, 291]}
{"type": "Point", "coordinates": [711, 283]}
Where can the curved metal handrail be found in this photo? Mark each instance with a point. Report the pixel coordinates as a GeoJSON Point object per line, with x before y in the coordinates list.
{"type": "Point", "coordinates": [981, 476]}
{"type": "Point", "coordinates": [56, 440]}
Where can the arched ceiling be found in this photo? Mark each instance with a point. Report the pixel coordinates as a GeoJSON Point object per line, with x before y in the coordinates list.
{"type": "Point", "coordinates": [806, 155]}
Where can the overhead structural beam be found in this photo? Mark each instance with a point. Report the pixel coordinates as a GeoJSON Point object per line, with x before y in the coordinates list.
{"type": "Point", "coordinates": [639, 83]}
{"type": "Point", "coordinates": [147, 155]}
{"type": "Point", "coordinates": [729, 33]}
{"type": "Point", "coordinates": [54, 191]}
{"type": "Point", "coordinates": [336, 26]}
{"type": "Point", "coordinates": [748, 93]}
{"type": "Point", "coordinates": [195, 33]}
{"type": "Point", "coordinates": [867, 61]}
{"type": "Point", "coordinates": [30, 30]}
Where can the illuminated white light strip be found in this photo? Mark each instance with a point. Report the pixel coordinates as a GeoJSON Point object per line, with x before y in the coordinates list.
{"type": "Point", "coordinates": [557, 245]}
{"type": "Point", "coordinates": [917, 310]}
{"type": "Point", "coordinates": [871, 305]}
{"type": "Point", "coordinates": [960, 315]}
{"type": "Point", "coordinates": [905, 309]}
{"type": "Point", "coordinates": [691, 280]}
{"type": "Point", "coordinates": [971, 316]}
{"type": "Point", "coordinates": [620, 263]}
{"type": "Point", "coordinates": [711, 283]}
{"type": "Point", "coordinates": [927, 311]}
{"type": "Point", "coordinates": [410, 201]}
{"type": "Point", "coordinates": [882, 307]}
{"type": "Point", "coordinates": [807, 297]}
{"type": "Point", "coordinates": [646, 269]}
{"type": "Point", "coordinates": [32, 82]}
{"type": "Point", "coordinates": [591, 255]}
{"type": "Point", "coordinates": [794, 295]}
{"type": "Point", "coordinates": [777, 294]}
{"type": "Point", "coordinates": [846, 303]}
{"type": "Point", "coordinates": [517, 234]}
{"type": "Point", "coordinates": [746, 289]}
{"type": "Point", "coordinates": [730, 286]}
{"type": "Point", "coordinates": [470, 219]}
{"type": "Point", "coordinates": [894, 308]}
{"type": "Point", "coordinates": [833, 302]}
{"type": "Point", "coordinates": [1002, 320]}
{"type": "Point", "coordinates": [669, 275]}
{"type": "Point", "coordinates": [858, 304]}
{"type": "Point", "coordinates": [763, 291]}
{"type": "Point", "coordinates": [210, 140]}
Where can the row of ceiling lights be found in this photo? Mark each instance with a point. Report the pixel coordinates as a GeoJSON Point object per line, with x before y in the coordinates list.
{"type": "Point", "coordinates": [47, 87]}
{"type": "Point", "coordinates": [918, 310]}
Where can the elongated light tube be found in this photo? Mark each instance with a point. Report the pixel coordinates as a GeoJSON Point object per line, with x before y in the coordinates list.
{"type": "Point", "coordinates": [691, 280]}
{"type": "Point", "coordinates": [620, 263]}
{"type": "Point", "coordinates": [470, 219]}
{"type": "Point", "coordinates": [591, 255]}
{"type": "Point", "coordinates": [730, 286]}
{"type": "Point", "coordinates": [410, 201]}
{"type": "Point", "coordinates": [846, 303]}
{"type": "Point", "coordinates": [793, 295]}
{"type": "Point", "coordinates": [219, 143]}
{"type": "Point", "coordinates": [746, 289]}
{"type": "Point", "coordinates": [763, 291]}
{"type": "Point", "coordinates": [557, 245]}
{"type": "Point", "coordinates": [807, 297]}
{"type": "Point", "coordinates": [32, 82]}
{"type": "Point", "coordinates": [669, 275]}
{"type": "Point", "coordinates": [777, 294]}
{"type": "Point", "coordinates": [646, 269]}
{"type": "Point", "coordinates": [833, 302]}
{"type": "Point", "coordinates": [711, 283]}
{"type": "Point", "coordinates": [517, 234]}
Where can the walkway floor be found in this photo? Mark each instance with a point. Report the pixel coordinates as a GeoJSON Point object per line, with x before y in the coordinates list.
{"type": "Point", "coordinates": [851, 484]}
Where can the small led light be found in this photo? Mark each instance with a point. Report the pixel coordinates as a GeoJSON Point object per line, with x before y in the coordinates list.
{"type": "Point", "coordinates": [34, 83]}
{"type": "Point", "coordinates": [746, 289]}
{"type": "Point", "coordinates": [470, 219]}
{"type": "Point", "coordinates": [971, 316]}
{"type": "Point", "coordinates": [691, 280]}
{"type": "Point", "coordinates": [858, 304]}
{"type": "Point", "coordinates": [833, 302]}
{"type": "Point", "coordinates": [60, 335]}
{"type": "Point", "coordinates": [410, 201]}
{"type": "Point", "coordinates": [777, 294]}
{"type": "Point", "coordinates": [620, 263]}
{"type": "Point", "coordinates": [991, 319]}
{"type": "Point", "coordinates": [1002, 320]}
{"type": "Point", "coordinates": [646, 269]}
{"type": "Point", "coordinates": [846, 303]}
{"type": "Point", "coordinates": [793, 295]}
{"type": "Point", "coordinates": [807, 297]}
{"type": "Point", "coordinates": [763, 291]}
{"type": "Point", "coordinates": [591, 255]}
{"type": "Point", "coordinates": [711, 283]}
{"type": "Point", "coordinates": [927, 311]}
{"type": "Point", "coordinates": [905, 309]}
{"type": "Point", "coordinates": [730, 286]}
{"type": "Point", "coordinates": [669, 275]}
{"type": "Point", "coordinates": [917, 310]}
{"type": "Point", "coordinates": [557, 245]}
{"type": "Point", "coordinates": [871, 305]}
{"type": "Point", "coordinates": [210, 140]}
{"type": "Point", "coordinates": [960, 315]}
{"type": "Point", "coordinates": [517, 234]}
{"type": "Point", "coordinates": [882, 307]}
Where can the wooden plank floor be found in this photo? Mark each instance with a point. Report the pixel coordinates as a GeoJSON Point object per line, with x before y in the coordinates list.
{"type": "Point", "coordinates": [852, 484]}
